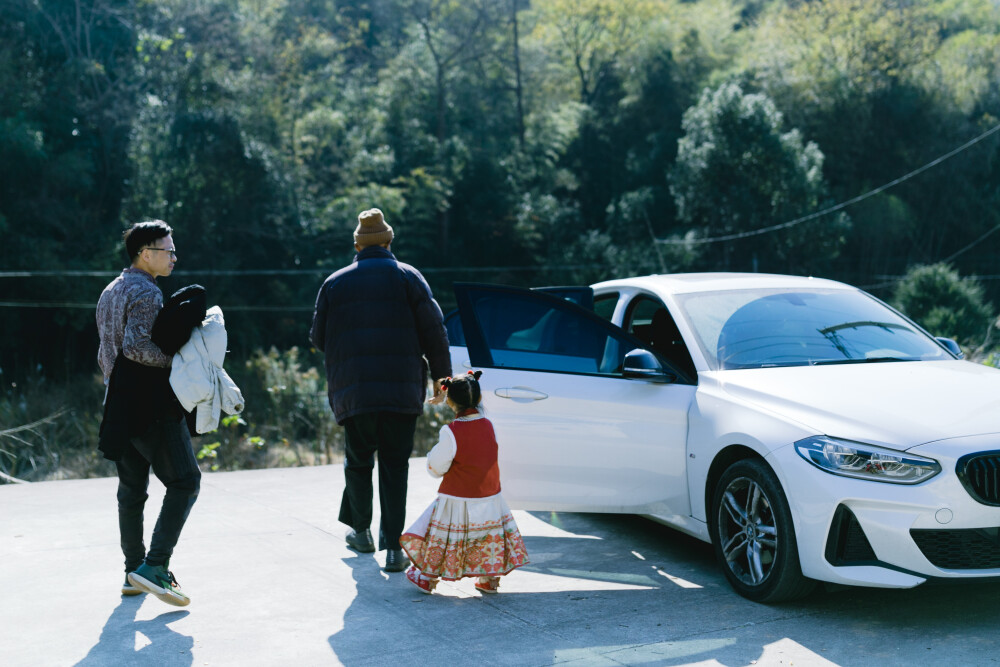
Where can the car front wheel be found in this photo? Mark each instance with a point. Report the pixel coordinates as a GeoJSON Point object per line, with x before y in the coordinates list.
{"type": "Point", "coordinates": [753, 535]}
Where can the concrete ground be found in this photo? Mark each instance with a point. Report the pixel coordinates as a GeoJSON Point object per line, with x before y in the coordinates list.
{"type": "Point", "coordinates": [273, 583]}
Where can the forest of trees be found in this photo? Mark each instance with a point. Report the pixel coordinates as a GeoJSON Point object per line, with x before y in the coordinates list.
{"type": "Point", "coordinates": [514, 141]}
{"type": "Point", "coordinates": [508, 141]}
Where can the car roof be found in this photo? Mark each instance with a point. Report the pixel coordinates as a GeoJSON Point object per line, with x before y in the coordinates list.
{"type": "Point", "coordinates": [684, 283]}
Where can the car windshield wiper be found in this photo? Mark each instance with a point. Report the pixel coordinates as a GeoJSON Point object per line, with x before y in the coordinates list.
{"type": "Point", "coordinates": [866, 360]}
{"type": "Point", "coordinates": [866, 323]}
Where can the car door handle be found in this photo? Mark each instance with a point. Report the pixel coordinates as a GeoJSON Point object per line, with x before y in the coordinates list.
{"type": "Point", "coordinates": [520, 393]}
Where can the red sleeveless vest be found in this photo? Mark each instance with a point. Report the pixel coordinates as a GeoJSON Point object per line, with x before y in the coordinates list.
{"type": "Point", "coordinates": [474, 472]}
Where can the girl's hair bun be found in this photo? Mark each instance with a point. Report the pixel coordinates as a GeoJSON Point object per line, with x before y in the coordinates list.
{"type": "Point", "coordinates": [463, 391]}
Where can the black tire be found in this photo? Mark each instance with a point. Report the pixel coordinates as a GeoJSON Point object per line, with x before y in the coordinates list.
{"type": "Point", "coordinates": [753, 535]}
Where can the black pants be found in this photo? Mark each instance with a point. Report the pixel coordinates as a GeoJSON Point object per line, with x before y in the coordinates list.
{"type": "Point", "coordinates": [166, 447]}
{"type": "Point", "coordinates": [390, 435]}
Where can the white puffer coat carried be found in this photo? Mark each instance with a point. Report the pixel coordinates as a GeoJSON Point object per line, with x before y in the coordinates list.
{"type": "Point", "coordinates": [197, 377]}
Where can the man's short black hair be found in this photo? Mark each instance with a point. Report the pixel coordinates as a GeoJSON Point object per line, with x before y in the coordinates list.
{"type": "Point", "coordinates": [142, 234]}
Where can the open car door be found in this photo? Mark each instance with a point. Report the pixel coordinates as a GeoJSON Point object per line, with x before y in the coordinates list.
{"type": "Point", "coordinates": [582, 296]}
{"type": "Point", "coordinates": [575, 432]}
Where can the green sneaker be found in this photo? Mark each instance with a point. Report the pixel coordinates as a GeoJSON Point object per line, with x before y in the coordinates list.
{"type": "Point", "coordinates": [159, 581]}
{"type": "Point", "coordinates": [129, 589]}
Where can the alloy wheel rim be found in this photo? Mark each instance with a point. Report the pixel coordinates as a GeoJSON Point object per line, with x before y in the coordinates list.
{"type": "Point", "coordinates": [747, 531]}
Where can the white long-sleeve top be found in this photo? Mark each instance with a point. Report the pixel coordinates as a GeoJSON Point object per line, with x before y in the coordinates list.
{"type": "Point", "coordinates": [442, 454]}
{"type": "Point", "coordinates": [198, 379]}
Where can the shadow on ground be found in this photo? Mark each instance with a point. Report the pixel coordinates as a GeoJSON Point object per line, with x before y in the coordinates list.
{"type": "Point", "coordinates": [624, 590]}
{"type": "Point", "coordinates": [126, 641]}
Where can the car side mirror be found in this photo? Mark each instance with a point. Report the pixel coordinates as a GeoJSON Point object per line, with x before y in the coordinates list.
{"type": "Point", "coordinates": [951, 346]}
{"type": "Point", "coordinates": [643, 365]}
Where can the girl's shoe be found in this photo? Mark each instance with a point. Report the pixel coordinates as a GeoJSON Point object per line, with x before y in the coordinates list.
{"type": "Point", "coordinates": [421, 581]}
{"type": "Point", "coordinates": [488, 584]}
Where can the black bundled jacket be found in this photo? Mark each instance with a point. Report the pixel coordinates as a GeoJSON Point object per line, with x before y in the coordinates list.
{"type": "Point", "coordinates": [139, 395]}
{"type": "Point", "coordinates": [375, 321]}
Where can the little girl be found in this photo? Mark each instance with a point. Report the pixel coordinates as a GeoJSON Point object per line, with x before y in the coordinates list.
{"type": "Point", "coordinates": [468, 531]}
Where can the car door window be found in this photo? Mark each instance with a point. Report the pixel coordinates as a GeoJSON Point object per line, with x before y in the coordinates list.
{"type": "Point", "coordinates": [453, 325]}
{"type": "Point", "coordinates": [649, 320]}
{"type": "Point", "coordinates": [604, 305]}
{"type": "Point", "coordinates": [582, 296]}
{"type": "Point", "coordinates": [533, 331]}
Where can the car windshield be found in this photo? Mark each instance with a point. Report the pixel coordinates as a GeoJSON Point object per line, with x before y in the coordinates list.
{"type": "Point", "coordinates": [756, 328]}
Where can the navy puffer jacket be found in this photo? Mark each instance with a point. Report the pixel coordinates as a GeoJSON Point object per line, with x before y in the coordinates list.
{"type": "Point", "coordinates": [376, 321]}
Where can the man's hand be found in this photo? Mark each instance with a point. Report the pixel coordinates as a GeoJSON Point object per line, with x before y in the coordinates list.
{"type": "Point", "coordinates": [438, 396]}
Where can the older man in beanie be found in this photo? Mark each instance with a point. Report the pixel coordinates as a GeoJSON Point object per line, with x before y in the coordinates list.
{"type": "Point", "coordinates": [376, 322]}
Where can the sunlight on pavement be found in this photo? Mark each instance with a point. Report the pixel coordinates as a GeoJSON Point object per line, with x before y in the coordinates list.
{"type": "Point", "coordinates": [683, 583]}
{"type": "Point", "coordinates": [530, 525]}
{"type": "Point", "coordinates": [634, 580]}
{"type": "Point", "coordinates": [541, 577]}
{"type": "Point", "coordinates": [657, 652]}
{"type": "Point", "coordinates": [782, 652]}
{"type": "Point", "coordinates": [788, 651]}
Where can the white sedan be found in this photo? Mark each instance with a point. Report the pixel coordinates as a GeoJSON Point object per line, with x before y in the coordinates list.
{"type": "Point", "coordinates": [806, 429]}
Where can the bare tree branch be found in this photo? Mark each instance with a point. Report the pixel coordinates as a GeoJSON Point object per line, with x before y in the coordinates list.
{"type": "Point", "coordinates": [13, 480]}
{"type": "Point", "coordinates": [9, 432]}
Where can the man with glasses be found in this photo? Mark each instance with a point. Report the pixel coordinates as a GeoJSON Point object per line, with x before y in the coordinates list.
{"type": "Point", "coordinates": [143, 423]}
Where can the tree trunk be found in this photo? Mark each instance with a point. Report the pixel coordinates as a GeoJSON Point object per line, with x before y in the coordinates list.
{"type": "Point", "coordinates": [517, 75]}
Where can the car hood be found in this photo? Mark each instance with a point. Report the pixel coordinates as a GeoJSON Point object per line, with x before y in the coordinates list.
{"type": "Point", "coordinates": [895, 404]}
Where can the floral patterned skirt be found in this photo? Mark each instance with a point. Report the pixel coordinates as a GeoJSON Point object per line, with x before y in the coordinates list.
{"type": "Point", "coordinates": [465, 537]}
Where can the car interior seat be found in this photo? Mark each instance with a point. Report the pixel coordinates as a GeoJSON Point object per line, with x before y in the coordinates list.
{"type": "Point", "coordinates": [665, 338]}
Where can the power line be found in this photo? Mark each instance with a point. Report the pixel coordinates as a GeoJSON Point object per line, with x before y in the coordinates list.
{"type": "Point", "coordinates": [892, 280]}
{"type": "Point", "coordinates": [970, 246]}
{"type": "Point", "coordinates": [837, 207]}
{"type": "Point", "coordinates": [319, 271]}
{"type": "Point", "coordinates": [48, 304]}
{"type": "Point", "coordinates": [93, 305]}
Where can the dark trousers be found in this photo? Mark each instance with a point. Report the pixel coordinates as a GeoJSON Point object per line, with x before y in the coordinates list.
{"type": "Point", "coordinates": [166, 447]}
{"type": "Point", "coordinates": [390, 435]}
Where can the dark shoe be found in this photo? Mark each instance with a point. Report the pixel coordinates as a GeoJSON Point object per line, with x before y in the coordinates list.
{"type": "Point", "coordinates": [361, 541]}
{"type": "Point", "coordinates": [159, 581]}
{"type": "Point", "coordinates": [395, 560]}
{"type": "Point", "coordinates": [129, 589]}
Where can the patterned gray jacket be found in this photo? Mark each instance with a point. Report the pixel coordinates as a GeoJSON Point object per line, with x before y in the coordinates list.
{"type": "Point", "coordinates": [125, 314]}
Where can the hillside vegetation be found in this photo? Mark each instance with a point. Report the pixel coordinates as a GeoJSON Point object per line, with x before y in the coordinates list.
{"type": "Point", "coordinates": [511, 141]}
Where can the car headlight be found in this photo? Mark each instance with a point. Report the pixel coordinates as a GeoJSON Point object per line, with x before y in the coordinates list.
{"type": "Point", "coordinates": [862, 461]}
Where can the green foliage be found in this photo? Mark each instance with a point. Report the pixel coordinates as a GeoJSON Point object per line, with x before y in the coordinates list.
{"type": "Point", "coordinates": [553, 139]}
{"type": "Point", "coordinates": [49, 430]}
{"type": "Point", "coordinates": [289, 404]}
{"type": "Point", "coordinates": [945, 304]}
{"type": "Point", "coordinates": [591, 37]}
{"type": "Point", "coordinates": [288, 420]}
{"type": "Point", "coordinates": [737, 171]}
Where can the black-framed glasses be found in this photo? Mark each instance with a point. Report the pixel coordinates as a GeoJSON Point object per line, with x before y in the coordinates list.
{"type": "Point", "coordinates": [172, 251]}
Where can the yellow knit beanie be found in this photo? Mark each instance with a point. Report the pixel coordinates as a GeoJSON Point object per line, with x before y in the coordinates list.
{"type": "Point", "coordinates": [372, 229]}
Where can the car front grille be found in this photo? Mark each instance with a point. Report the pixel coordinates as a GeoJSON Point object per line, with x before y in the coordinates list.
{"type": "Point", "coordinates": [980, 475]}
{"type": "Point", "coordinates": [965, 549]}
